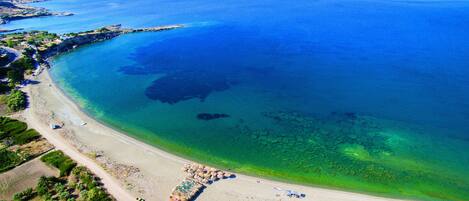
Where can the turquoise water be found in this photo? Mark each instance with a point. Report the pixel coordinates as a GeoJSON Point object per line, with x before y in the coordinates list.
{"type": "Point", "coordinates": [368, 96]}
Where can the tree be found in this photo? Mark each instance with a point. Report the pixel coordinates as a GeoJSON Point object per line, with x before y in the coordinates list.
{"type": "Point", "coordinates": [24, 63]}
{"type": "Point", "coordinates": [15, 76]}
{"type": "Point", "coordinates": [25, 195]}
{"type": "Point", "coordinates": [16, 100]}
{"type": "Point", "coordinates": [4, 59]}
{"type": "Point", "coordinates": [10, 43]}
{"type": "Point", "coordinates": [4, 88]}
{"type": "Point", "coordinates": [97, 194]}
{"type": "Point", "coordinates": [42, 186]}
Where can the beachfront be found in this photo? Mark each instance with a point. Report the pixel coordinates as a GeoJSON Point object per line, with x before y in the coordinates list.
{"type": "Point", "coordinates": [234, 89]}
{"type": "Point", "coordinates": [130, 168]}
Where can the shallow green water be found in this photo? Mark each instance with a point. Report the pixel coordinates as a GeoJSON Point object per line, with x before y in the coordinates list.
{"type": "Point", "coordinates": [363, 96]}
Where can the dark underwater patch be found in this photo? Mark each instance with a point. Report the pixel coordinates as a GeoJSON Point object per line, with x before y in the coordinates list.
{"type": "Point", "coordinates": [132, 70]}
{"type": "Point", "coordinates": [210, 116]}
{"type": "Point", "coordinates": [181, 86]}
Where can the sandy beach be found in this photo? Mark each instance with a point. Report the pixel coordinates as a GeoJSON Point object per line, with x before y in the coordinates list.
{"type": "Point", "coordinates": [130, 168]}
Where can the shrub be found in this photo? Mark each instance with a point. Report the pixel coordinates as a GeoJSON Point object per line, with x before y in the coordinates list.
{"type": "Point", "coordinates": [16, 100]}
{"type": "Point", "coordinates": [11, 43]}
{"type": "Point", "coordinates": [3, 72]}
{"type": "Point", "coordinates": [25, 195]}
{"type": "Point", "coordinates": [59, 187]}
{"type": "Point", "coordinates": [59, 160]}
{"type": "Point", "coordinates": [64, 195]}
{"type": "Point", "coordinates": [4, 88]}
{"type": "Point", "coordinates": [42, 186]}
{"type": "Point", "coordinates": [97, 194]}
{"type": "Point", "coordinates": [15, 76]}
{"type": "Point", "coordinates": [26, 136]}
{"type": "Point", "coordinates": [23, 63]}
{"type": "Point", "coordinates": [8, 160]}
{"type": "Point", "coordinates": [45, 184]}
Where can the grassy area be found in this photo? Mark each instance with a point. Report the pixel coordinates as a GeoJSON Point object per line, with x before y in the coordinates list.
{"type": "Point", "coordinates": [26, 136]}
{"type": "Point", "coordinates": [14, 132]}
{"type": "Point", "coordinates": [9, 127]}
{"type": "Point", "coordinates": [59, 160]}
{"type": "Point", "coordinates": [8, 160]}
{"type": "Point", "coordinates": [16, 101]}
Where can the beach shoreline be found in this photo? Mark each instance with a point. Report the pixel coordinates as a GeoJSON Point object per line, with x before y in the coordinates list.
{"type": "Point", "coordinates": [131, 168]}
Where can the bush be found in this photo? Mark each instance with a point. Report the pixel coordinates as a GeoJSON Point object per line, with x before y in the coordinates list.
{"type": "Point", "coordinates": [59, 160]}
{"type": "Point", "coordinates": [42, 186]}
{"type": "Point", "coordinates": [9, 127]}
{"type": "Point", "coordinates": [4, 88]}
{"type": "Point", "coordinates": [16, 100]}
{"type": "Point", "coordinates": [97, 194]}
{"type": "Point", "coordinates": [45, 184]}
{"type": "Point", "coordinates": [15, 76]}
{"type": "Point", "coordinates": [8, 160]}
{"type": "Point", "coordinates": [23, 63]}
{"type": "Point", "coordinates": [25, 195]}
{"type": "Point", "coordinates": [26, 136]}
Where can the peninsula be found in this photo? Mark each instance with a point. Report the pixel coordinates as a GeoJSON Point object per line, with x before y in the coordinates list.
{"type": "Point", "coordinates": [17, 9]}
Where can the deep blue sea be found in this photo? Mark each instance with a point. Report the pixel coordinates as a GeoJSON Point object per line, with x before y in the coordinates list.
{"type": "Point", "coordinates": [363, 95]}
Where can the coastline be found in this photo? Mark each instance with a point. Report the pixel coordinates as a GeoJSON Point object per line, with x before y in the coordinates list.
{"type": "Point", "coordinates": [20, 9]}
{"type": "Point", "coordinates": [130, 168]}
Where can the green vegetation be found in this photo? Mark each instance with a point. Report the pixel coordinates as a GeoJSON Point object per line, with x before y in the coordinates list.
{"type": "Point", "coordinates": [4, 88]}
{"type": "Point", "coordinates": [8, 160]}
{"type": "Point", "coordinates": [89, 186]}
{"type": "Point", "coordinates": [103, 30]}
{"type": "Point", "coordinates": [10, 127]}
{"type": "Point", "coordinates": [16, 70]}
{"type": "Point", "coordinates": [26, 136]}
{"type": "Point", "coordinates": [25, 195]}
{"type": "Point", "coordinates": [11, 43]}
{"type": "Point", "coordinates": [82, 184]}
{"type": "Point", "coordinates": [15, 76]}
{"type": "Point", "coordinates": [24, 63]}
{"type": "Point", "coordinates": [16, 100]}
{"type": "Point", "coordinates": [49, 187]}
{"type": "Point", "coordinates": [14, 132]}
{"type": "Point", "coordinates": [59, 160]}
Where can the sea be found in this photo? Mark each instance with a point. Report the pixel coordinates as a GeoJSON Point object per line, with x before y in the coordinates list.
{"type": "Point", "coordinates": [361, 95]}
